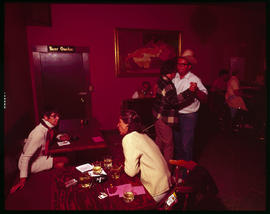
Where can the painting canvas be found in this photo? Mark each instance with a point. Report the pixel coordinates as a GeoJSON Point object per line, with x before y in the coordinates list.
{"type": "Point", "coordinates": [141, 52]}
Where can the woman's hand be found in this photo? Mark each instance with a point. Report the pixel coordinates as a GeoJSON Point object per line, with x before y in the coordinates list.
{"type": "Point", "coordinates": [19, 185]}
{"type": "Point", "coordinates": [64, 137]}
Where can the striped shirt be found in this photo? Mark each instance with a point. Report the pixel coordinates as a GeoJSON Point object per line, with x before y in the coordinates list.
{"type": "Point", "coordinates": [167, 103]}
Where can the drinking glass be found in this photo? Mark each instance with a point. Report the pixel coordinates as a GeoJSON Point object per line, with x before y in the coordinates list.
{"type": "Point", "coordinates": [115, 171]}
{"type": "Point", "coordinates": [97, 168]}
{"type": "Point", "coordinates": [107, 161]}
{"type": "Point", "coordinates": [85, 181]}
{"type": "Point", "coordinates": [112, 189]}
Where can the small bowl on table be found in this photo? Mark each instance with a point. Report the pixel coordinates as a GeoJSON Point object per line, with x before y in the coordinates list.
{"type": "Point", "coordinates": [128, 196]}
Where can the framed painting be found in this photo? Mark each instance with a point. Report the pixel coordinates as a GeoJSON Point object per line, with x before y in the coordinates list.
{"type": "Point", "coordinates": [141, 52]}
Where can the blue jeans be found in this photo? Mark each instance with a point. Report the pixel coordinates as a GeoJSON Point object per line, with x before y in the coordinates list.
{"type": "Point", "coordinates": [184, 136]}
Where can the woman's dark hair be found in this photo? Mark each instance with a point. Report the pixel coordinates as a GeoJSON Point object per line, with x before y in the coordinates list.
{"type": "Point", "coordinates": [48, 110]}
{"type": "Point", "coordinates": [223, 72]}
{"type": "Point", "coordinates": [148, 85]}
{"type": "Point", "coordinates": [133, 120]}
{"type": "Point", "coordinates": [235, 72]}
{"type": "Point", "coordinates": [169, 66]}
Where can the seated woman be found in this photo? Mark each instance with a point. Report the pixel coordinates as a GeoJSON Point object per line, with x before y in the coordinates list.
{"type": "Point", "coordinates": [239, 112]}
{"type": "Point", "coordinates": [143, 155]}
{"type": "Point", "coordinates": [34, 157]}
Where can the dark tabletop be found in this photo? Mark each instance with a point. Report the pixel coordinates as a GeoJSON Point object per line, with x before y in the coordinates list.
{"type": "Point", "coordinates": [77, 198]}
{"type": "Point", "coordinates": [84, 135]}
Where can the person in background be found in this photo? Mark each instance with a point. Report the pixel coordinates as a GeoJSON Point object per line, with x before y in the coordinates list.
{"type": "Point", "coordinates": [220, 84]}
{"type": "Point", "coordinates": [35, 151]}
{"type": "Point", "coordinates": [166, 107]}
{"type": "Point", "coordinates": [238, 108]}
{"type": "Point", "coordinates": [260, 79]}
{"type": "Point", "coordinates": [142, 156]}
{"type": "Point", "coordinates": [143, 92]}
{"type": "Point", "coordinates": [184, 136]}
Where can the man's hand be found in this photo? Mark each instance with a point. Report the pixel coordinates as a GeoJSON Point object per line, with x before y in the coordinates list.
{"type": "Point", "coordinates": [19, 185]}
{"type": "Point", "coordinates": [201, 96]}
{"type": "Point", "coordinates": [193, 86]}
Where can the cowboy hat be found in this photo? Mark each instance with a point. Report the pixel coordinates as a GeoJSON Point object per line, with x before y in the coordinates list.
{"type": "Point", "coordinates": [189, 55]}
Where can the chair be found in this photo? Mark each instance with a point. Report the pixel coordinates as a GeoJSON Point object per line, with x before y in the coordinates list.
{"type": "Point", "coordinates": [192, 186]}
{"type": "Point", "coordinates": [180, 193]}
{"type": "Point", "coordinates": [220, 110]}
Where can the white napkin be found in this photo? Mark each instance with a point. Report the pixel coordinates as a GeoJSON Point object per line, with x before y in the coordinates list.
{"type": "Point", "coordinates": [85, 167]}
{"type": "Point", "coordinates": [63, 143]}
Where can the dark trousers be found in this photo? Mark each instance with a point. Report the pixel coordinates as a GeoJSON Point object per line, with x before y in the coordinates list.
{"type": "Point", "coordinates": [184, 136]}
{"type": "Point", "coordinates": [164, 139]}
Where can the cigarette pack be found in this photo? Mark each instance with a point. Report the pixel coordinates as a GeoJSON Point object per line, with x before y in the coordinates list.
{"type": "Point", "coordinates": [102, 195]}
{"type": "Point", "coordinates": [70, 182]}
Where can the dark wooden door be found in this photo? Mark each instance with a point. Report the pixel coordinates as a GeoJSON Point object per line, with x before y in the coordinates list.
{"type": "Point", "coordinates": [62, 80]}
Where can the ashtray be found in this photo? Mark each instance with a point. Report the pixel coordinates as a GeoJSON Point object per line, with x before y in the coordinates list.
{"type": "Point", "coordinates": [128, 196]}
{"type": "Point", "coordinates": [63, 137]}
{"type": "Point", "coordinates": [100, 179]}
{"type": "Point", "coordinates": [85, 181]}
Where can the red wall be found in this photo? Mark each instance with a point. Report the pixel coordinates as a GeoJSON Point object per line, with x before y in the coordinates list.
{"type": "Point", "coordinates": [215, 32]}
{"type": "Point", "coordinates": [18, 115]}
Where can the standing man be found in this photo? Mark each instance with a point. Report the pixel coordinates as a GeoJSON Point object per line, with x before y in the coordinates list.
{"type": "Point", "coordinates": [34, 157]}
{"type": "Point", "coordinates": [184, 79]}
{"type": "Point", "coordinates": [166, 107]}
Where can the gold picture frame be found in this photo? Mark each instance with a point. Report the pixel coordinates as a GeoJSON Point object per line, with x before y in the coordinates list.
{"type": "Point", "coordinates": [140, 52]}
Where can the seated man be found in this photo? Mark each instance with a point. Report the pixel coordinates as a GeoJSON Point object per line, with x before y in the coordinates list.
{"type": "Point", "coordinates": [220, 84]}
{"type": "Point", "coordinates": [35, 150]}
{"type": "Point", "coordinates": [144, 92]}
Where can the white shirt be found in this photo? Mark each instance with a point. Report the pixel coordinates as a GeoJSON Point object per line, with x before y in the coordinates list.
{"type": "Point", "coordinates": [232, 85]}
{"type": "Point", "coordinates": [36, 140]}
{"type": "Point", "coordinates": [232, 99]}
{"type": "Point", "coordinates": [135, 95]}
{"type": "Point", "coordinates": [183, 84]}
